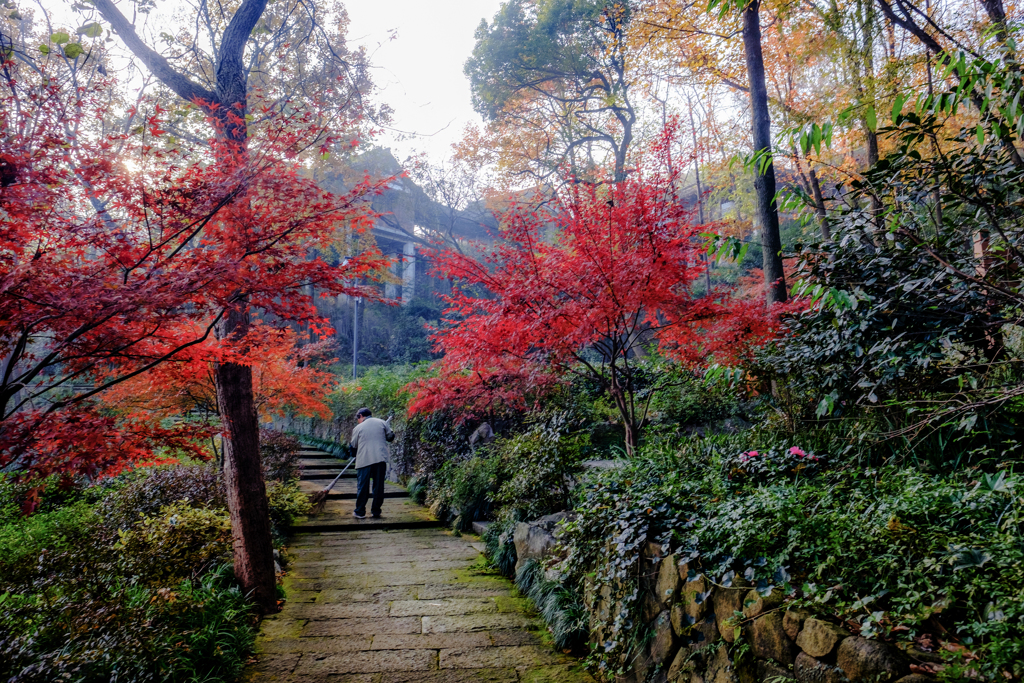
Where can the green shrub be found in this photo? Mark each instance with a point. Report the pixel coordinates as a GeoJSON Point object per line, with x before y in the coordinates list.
{"type": "Point", "coordinates": [155, 488]}
{"type": "Point", "coordinates": [181, 542]}
{"type": "Point", "coordinates": [200, 630]}
{"type": "Point", "coordinates": [46, 550]}
{"type": "Point", "coordinates": [541, 467]}
{"type": "Point", "coordinates": [279, 455]}
{"type": "Point", "coordinates": [562, 610]}
{"type": "Point", "coordinates": [286, 502]}
{"type": "Point", "coordinates": [461, 492]}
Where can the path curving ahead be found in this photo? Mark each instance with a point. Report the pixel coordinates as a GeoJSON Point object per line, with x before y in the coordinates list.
{"type": "Point", "coordinates": [397, 600]}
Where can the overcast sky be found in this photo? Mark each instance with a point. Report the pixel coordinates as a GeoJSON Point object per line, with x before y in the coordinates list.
{"type": "Point", "coordinates": [420, 72]}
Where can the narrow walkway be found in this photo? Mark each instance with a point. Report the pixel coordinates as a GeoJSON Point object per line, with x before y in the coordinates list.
{"type": "Point", "coordinates": [396, 601]}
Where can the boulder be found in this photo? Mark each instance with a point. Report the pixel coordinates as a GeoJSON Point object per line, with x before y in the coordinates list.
{"type": "Point", "coordinates": [869, 660]}
{"type": "Point", "coordinates": [720, 667]}
{"type": "Point", "coordinates": [695, 597]}
{"type": "Point", "coordinates": [794, 620]}
{"type": "Point", "coordinates": [807, 669]}
{"type": "Point", "coordinates": [820, 638]}
{"type": "Point", "coordinates": [663, 645]}
{"type": "Point", "coordinates": [682, 668]}
{"type": "Point", "coordinates": [727, 601]}
{"type": "Point", "coordinates": [682, 623]}
{"type": "Point", "coordinates": [768, 671]}
{"type": "Point", "coordinates": [693, 633]}
{"type": "Point", "coordinates": [754, 603]}
{"type": "Point", "coordinates": [667, 585]}
{"type": "Point", "coordinates": [768, 638]}
{"type": "Point", "coordinates": [535, 540]}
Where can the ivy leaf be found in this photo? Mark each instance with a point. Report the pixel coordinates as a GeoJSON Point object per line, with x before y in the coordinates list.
{"type": "Point", "coordinates": [60, 37]}
{"type": "Point", "coordinates": [971, 558]}
{"type": "Point", "coordinates": [45, 49]}
{"type": "Point", "coordinates": [73, 50]}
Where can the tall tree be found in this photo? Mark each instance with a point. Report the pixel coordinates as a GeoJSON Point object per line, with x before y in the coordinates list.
{"type": "Point", "coordinates": [764, 180]}
{"type": "Point", "coordinates": [225, 103]}
{"type": "Point", "coordinates": [616, 280]}
{"type": "Point", "coordinates": [563, 62]}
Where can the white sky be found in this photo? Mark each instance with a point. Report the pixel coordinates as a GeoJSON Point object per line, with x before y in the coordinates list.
{"type": "Point", "coordinates": [420, 72]}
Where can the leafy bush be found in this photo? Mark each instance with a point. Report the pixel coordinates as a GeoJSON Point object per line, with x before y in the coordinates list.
{"type": "Point", "coordinates": [49, 549]}
{"type": "Point", "coordinates": [773, 465]}
{"type": "Point", "coordinates": [99, 590]}
{"type": "Point", "coordinates": [279, 455]}
{"type": "Point", "coordinates": [286, 502]}
{"type": "Point", "coordinates": [181, 542]}
{"type": "Point", "coordinates": [428, 442]}
{"type": "Point", "coordinates": [461, 492]}
{"type": "Point", "coordinates": [542, 466]}
{"type": "Point", "coordinates": [153, 489]}
{"type": "Point", "coordinates": [195, 630]}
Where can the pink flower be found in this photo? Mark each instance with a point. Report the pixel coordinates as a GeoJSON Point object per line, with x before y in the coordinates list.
{"type": "Point", "coordinates": [751, 454]}
{"type": "Point", "coordinates": [796, 451]}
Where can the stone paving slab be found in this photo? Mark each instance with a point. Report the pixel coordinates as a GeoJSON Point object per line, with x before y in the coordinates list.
{"type": "Point", "coordinates": [406, 606]}
{"type": "Point", "coordinates": [397, 513]}
{"type": "Point", "coordinates": [346, 488]}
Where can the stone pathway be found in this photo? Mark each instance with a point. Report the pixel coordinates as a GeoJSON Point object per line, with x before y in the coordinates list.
{"type": "Point", "coordinates": [373, 602]}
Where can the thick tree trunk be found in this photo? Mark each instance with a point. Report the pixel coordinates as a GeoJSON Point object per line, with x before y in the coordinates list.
{"type": "Point", "coordinates": [225, 107]}
{"type": "Point", "coordinates": [243, 475]}
{"type": "Point", "coordinates": [764, 181]}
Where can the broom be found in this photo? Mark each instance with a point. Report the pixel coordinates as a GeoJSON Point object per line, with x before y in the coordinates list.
{"type": "Point", "coordinates": [319, 499]}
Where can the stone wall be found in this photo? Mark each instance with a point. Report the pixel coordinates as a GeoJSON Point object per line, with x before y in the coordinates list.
{"type": "Point", "coordinates": [695, 627]}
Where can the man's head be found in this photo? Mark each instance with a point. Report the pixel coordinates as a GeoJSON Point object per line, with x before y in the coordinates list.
{"type": "Point", "coordinates": [362, 414]}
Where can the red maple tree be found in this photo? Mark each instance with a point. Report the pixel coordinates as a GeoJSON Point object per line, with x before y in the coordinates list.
{"type": "Point", "coordinates": [122, 251]}
{"type": "Point", "coordinates": [287, 380]}
{"type": "Point", "coordinates": [583, 284]}
{"type": "Point", "coordinates": [586, 284]}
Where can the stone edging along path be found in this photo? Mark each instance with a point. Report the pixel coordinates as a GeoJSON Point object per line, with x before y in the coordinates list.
{"type": "Point", "coordinates": [397, 600]}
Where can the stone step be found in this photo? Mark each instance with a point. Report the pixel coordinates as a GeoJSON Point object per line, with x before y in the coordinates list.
{"type": "Point", "coordinates": [345, 489]}
{"type": "Point", "coordinates": [327, 475]}
{"type": "Point", "coordinates": [396, 514]}
{"type": "Point", "coordinates": [320, 463]}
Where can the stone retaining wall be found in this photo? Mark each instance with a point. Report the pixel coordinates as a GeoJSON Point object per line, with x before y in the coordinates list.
{"type": "Point", "coordinates": [695, 625]}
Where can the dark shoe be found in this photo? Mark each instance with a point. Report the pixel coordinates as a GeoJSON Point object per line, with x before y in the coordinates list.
{"type": "Point", "coordinates": [358, 516]}
{"type": "Point", "coordinates": [376, 516]}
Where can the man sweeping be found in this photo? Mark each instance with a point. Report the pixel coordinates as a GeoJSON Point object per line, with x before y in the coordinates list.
{"type": "Point", "coordinates": [370, 441]}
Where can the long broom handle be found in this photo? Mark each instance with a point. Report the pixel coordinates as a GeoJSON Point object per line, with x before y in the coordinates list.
{"type": "Point", "coordinates": [335, 481]}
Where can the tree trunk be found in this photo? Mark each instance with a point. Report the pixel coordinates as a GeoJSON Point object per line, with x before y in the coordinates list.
{"type": "Point", "coordinates": [764, 181]}
{"type": "Point", "coordinates": [819, 205]}
{"type": "Point", "coordinates": [226, 107]}
{"type": "Point", "coordinates": [243, 475]}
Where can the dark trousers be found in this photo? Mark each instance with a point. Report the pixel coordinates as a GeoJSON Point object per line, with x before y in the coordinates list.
{"type": "Point", "coordinates": [377, 472]}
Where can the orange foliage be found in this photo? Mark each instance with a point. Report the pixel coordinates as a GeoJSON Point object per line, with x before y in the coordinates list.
{"type": "Point", "coordinates": [285, 380]}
